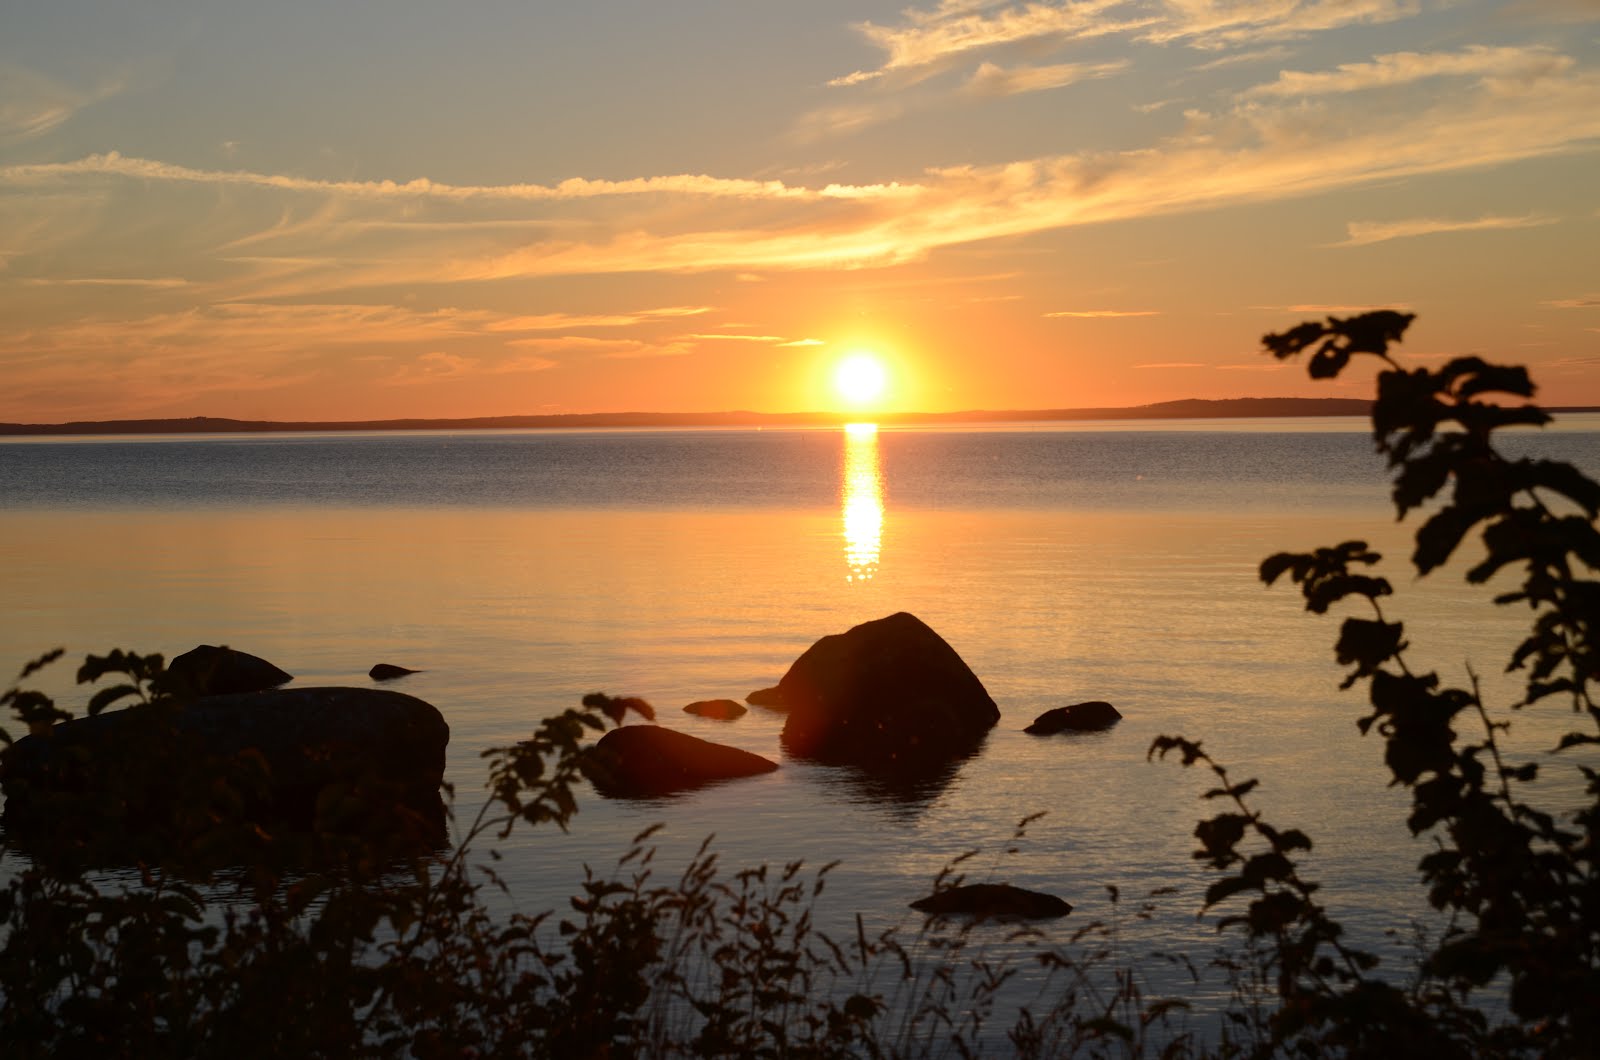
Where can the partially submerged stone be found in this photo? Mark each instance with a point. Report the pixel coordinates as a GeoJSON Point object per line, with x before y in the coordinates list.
{"type": "Point", "coordinates": [389, 671]}
{"type": "Point", "coordinates": [770, 698]}
{"type": "Point", "coordinates": [721, 709]}
{"type": "Point", "coordinates": [647, 761]}
{"type": "Point", "coordinates": [996, 900]}
{"type": "Point", "coordinates": [1079, 717]}
{"type": "Point", "coordinates": [884, 694]}
{"type": "Point", "coordinates": [209, 670]}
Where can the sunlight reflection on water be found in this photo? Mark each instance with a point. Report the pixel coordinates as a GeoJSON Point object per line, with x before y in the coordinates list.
{"type": "Point", "coordinates": [862, 501]}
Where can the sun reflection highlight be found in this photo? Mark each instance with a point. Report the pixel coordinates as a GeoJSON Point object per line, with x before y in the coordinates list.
{"type": "Point", "coordinates": [862, 501]}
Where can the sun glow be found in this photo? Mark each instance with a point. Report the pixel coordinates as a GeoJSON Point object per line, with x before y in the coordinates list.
{"type": "Point", "coordinates": [861, 378]}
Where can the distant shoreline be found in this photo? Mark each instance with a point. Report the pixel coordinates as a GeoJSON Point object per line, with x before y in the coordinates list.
{"type": "Point", "coordinates": [1190, 408]}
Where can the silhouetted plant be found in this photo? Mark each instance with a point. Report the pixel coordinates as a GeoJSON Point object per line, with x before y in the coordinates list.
{"type": "Point", "coordinates": [1519, 881]}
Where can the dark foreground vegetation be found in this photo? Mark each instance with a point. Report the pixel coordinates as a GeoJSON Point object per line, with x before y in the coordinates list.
{"type": "Point", "coordinates": [336, 942]}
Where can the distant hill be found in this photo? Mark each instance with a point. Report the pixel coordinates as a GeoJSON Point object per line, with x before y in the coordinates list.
{"type": "Point", "coordinates": [1191, 408]}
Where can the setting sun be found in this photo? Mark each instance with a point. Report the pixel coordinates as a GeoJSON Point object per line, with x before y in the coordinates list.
{"type": "Point", "coordinates": [861, 378]}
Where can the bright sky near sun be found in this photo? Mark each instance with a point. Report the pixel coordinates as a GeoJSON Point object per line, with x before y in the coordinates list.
{"type": "Point", "coordinates": [364, 209]}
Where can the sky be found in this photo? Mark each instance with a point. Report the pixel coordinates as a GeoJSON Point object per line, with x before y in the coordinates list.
{"type": "Point", "coordinates": [353, 209]}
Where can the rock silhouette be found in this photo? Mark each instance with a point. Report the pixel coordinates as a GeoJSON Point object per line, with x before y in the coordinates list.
{"type": "Point", "coordinates": [298, 757]}
{"type": "Point", "coordinates": [388, 672]}
{"type": "Point", "coordinates": [648, 761]}
{"type": "Point", "coordinates": [209, 670]}
{"type": "Point", "coordinates": [1079, 717]}
{"type": "Point", "coordinates": [884, 695]}
{"type": "Point", "coordinates": [998, 900]}
{"type": "Point", "coordinates": [721, 709]}
{"type": "Point", "coordinates": [770, 698]}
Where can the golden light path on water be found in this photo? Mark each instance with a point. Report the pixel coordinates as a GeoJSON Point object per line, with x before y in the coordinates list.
{"type": "Point", "coordinates": [862, 501]}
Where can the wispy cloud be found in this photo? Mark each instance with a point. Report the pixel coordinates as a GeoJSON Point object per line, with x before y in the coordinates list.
{"type": "Point", "coordinates": [992, 80]}
{"type": "Point", "coordinates": [1403, 68]}
{"type": "Point", "coordinates": [32, 104]}
{"type": "Point", "coordinates": [114, 163]}
{"type": "Point", "coordinates": [930, 39]}
{"type": "Point", "coordinates": [1362, 233]}
{"type": "Point", "coordinates": [1591, 302]}
{"type": "Point", "coordinates": [1099, 313]}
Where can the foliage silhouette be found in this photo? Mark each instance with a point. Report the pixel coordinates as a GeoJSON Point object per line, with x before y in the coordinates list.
{"type": "Point", "coordinates": [1518, 881]}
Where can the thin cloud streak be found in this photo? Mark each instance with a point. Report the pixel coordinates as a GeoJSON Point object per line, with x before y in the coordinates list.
{"type": "Point", "coordinates": [1364, 233]}
{"type": "Point", "coordinates": [114, 163]}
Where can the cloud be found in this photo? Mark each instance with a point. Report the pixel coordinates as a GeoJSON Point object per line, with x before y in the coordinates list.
{"type": "Point", "coordinates": [992, 80]}
{"type": "Point", "coordinates": [1591, 302]}
{"type": "Point", "coordinates": [1100, 313]}
{"type": "Point", "coordinates": [32, 105]}
{"type": "Point", "coordinates": [114, 163]}
{"type": "Point", "coordinates": [435, 367]}
{"type": "Point", "coordinates": [1363, 233]}
{"type": "Point", "coordinates": [564, 321]}
{"type": "Point", "coordinates": [803, 342]}
{"type": "Point", "coordinates": [157, 283]}
{"type": "Point", "coordinates": [769, 339]}
{"type": "Point", "coordinates": [1326, 309]}
{"type": "Point", "coordinates": [1403, 68]}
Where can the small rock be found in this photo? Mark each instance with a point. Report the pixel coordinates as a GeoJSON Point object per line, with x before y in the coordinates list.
{"type": "Point", "coordinates": [771, 698]}
{"type": "Point", "coordinates": [721, 709]}
{"type": "Point", "coordinates": [646, 761]}
{"type": "Point", "coordinates": [388, 672]}
{"type": "Point", "coordinates": [1000, 900]}
{"type": "Point", "coordinates": [1080, 717]}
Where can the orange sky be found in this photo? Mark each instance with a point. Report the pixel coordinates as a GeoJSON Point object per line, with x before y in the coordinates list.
{"type": "Point", "coordinates": [402, 210]}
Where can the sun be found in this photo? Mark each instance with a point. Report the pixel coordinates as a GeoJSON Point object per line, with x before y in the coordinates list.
{"type": "Point", "coordinates": [861, 378]}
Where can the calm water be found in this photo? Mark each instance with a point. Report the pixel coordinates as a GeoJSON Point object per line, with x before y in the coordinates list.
{"type": "Point", "coordinates": [521, 570]}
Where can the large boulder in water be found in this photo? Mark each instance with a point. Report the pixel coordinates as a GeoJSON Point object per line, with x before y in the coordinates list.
{"type": "Point", "coordinates": [209, 670]}
{"type": "Point", "coordinates": [328, 758]}
{"type": "Point", "coordinates": [720, 709]}
{"type": "Point", "coordinates": [647, 761]}
{"type": "Point", "coordinates": [884, 694]}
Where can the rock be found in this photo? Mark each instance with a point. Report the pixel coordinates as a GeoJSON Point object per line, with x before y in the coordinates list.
{"type": "Point", "coordinates": [353, 753]}
{"type": "Point", "coordinates": [1080, 717]}
{"type": "Point", "coordinates": [882, 695]}
{"type": "Point", "coordinates": [388, 672]}
{"type": "Point", "coordinates": [998, 900]}
{"type": "Point", "coordinates": [770, 698]}
{"type": "Point", "coordinates": [212, 671]}
{"type": "Point", "coordinates": [645, 761]}
{"type": "Point", "coordinates": [721, 709]}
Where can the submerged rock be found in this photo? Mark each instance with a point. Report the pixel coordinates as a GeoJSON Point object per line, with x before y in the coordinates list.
{"type": "Point", "coordinates": [999, 900]}
{"type": "Point", "coordinates": [646, 761]}
{"type": "Point", "coordinates": [882, 695]}
{"type": "Point", "coordinates": [1079, 717]}
{"type": "Point", "coordinates": [209, 670]}
{"type": "Point", "coordinates": [770, 698]}
{"type": "Point", "coordinates": [721, 709]}
{"type": "Point", "coordinates": [388, 672]}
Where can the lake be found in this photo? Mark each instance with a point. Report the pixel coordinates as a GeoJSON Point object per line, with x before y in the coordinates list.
{"type": "Point", "coordinates": [1064, 562]}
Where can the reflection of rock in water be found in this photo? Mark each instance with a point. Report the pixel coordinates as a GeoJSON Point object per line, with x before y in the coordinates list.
{"type": "Point", "coordinates": [905, 788]}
